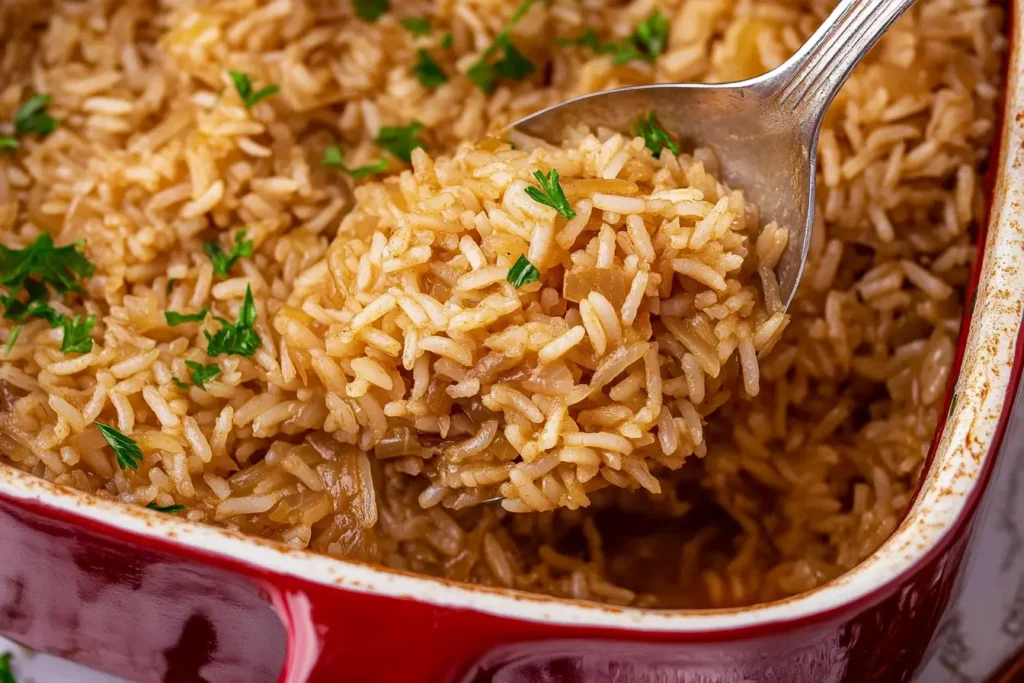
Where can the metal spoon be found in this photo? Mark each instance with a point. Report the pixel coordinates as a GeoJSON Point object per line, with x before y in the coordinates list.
{"type": "Point", "coordinates": [764, 130]}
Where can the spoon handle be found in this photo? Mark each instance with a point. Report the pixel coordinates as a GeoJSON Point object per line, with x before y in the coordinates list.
{"type": "Point", "coordinates": [806, 84]}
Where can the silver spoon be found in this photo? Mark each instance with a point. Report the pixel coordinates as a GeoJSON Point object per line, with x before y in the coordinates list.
{"type": "Point", "coordinates": [764, 130]}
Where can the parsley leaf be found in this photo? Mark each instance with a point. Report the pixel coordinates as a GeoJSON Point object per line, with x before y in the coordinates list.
{"type": "Point", "coordinates": [238, 338]}
{"type": "Point", "coordinates": [649, 39]}
{"type": "Point", "coordinates": [551, 193]}
{"type": "Point", "coordinates": [127, 451]}
{"type": "Point", "coordinates": [222, 262]}
{"type": "Point", "coordinates": [169, 509]}
{"type": "Point", "coordinates": [6, 675]}
{"type": "Point", "coordinates": [522, 272]}
{"type": "Point", "coordinates": [655, 137]}
{"type": "Point", "coordinates": [174, 318]}
{"type": "Point", "coordinates": [178, 383]}
{"type": "Point", "coordinates": [416, 26]}
{"type": "Point", "coordinates": [401, 140]}
{"type": "Point", "coordinates": [428, 72]}
{"type": "Point", "coordinates": [58, 267]}
{"type": "Point", "coordinates": [588, 39]}
{"type": "Point", "coordinates": [447, 39]}
{"type": "Point", "coordinates": [334, 157]}
{"type": "Point", "coordinates": [201, 374]}
{"type": "Point", "coordinates": [513, 65]}
{"type": "Point", "coordinates": [170, 285]}
{"type": "Point", "coordinates": [243, 86]}
{"type": "Point", "coordinates": [8, 145]}
{"type": "Point", "coordinates": [32, 117]}
{"type": "Point", "coordinates": [76, 333]}
{"type": "Point", "coordinates": [370, 10]}
{"type": "Point", "coordinates": [12, 340]}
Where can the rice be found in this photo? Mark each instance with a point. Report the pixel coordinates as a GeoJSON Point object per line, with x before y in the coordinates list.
{"type": "Point", "coordinates": [398, 380]}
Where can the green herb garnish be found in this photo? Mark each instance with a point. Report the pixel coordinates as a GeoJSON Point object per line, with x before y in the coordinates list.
{"type": "Point", "coordinates": [6, 675]}
{"type": "Point", "coordinates": [12, 340]}
{"type": "Point", "coordinates": [174, 318]}
{"type": "Point", "coordinates": [201, 374]}
{"type": "Point", "coordinates": [401, 140]}
{"type": "Point", "coordinates": [447, 39]}
{"type": "Point", "coordinates": [170, 285]}
{"type": "Point", "coordinates": [334, 157]}
{"type": "Point", "coordinates": [237, 338]}
{"type": "Point", "coordinates": [655, 137]}
{"type": "Point", "coordinates": [522, 272]}
{"type": "Point", "coordinates": [169, 509]}
{"type": "Point", "coordinates": [649, 39]}
{"type": "Point", "coordinates": [430, 75]}
{"type": "Point", "coordinates": [35, 269]}
{"type": "Point", "coordinates": [244, 88]}
{"type": "Point", "coordinates": [550, 193]}
{"type": "Point", "coordinates": [513, 65]}
{"type": "Point", "coordinates": [178, 383]}
{"type": "Point", "coordinates": [127, 451]}
{"type": "Point", "coordinates": [589, 39]}
{"type": "Point", "coordinates": [952, 404]}
{"type": "Point", "coordinates": [222, 262]}
{"type": "Point", "coordinates": [33, 117]}
{"type": "Point", "coordinates": [370, 10]}
{"type": "Point", "coordinates": [416, 26]}
{"type": "Point", "coordinates": [76, 333]}
{"type": "Point", "coordinates": [59, 267]}
{"type": "Point", "coordinates": [8, 144]}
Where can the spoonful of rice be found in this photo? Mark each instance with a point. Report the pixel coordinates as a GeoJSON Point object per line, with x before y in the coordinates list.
{"type": "Point", "coordinates": [764, 131]}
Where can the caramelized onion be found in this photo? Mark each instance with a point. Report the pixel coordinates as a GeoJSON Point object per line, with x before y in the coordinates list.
{"type": "Point", "coordinates": [397, 442]}
{"type": "Point", "coordinates": [582, 280]}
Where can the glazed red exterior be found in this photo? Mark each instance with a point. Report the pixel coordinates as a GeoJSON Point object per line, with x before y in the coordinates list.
{"type": "Point", "coordinates": [160, 612]}
{"type": "Point", "coordinates": [159, 608]}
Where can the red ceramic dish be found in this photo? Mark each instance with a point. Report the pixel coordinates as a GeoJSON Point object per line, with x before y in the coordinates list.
{"type": "Point", "coordinates": [153, 598]}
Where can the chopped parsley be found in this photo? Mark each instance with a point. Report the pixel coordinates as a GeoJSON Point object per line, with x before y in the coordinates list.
{"type": "Point", "coordinates": [76, 333]}
{"type": "Point", "coordinates": [447, 40]}
{"type": "Point", "coordinates": [169, 509]}
{"type": "Point", "coordinates": [33, 117]}
{"type": "Point", "coordinates": [36, 269]}
{"type": "Point", "coordinates": [12, 340]}
{"type": "Point", "coordinates": [127, 451]}
{"type": "Point", "coordinates": [59, 267]}
{"type": "Point", "coordinates": [512, 65]}
{"type": "Point", "coordinates": [170, 285]}
{"type": "Point", "coordinates": [6, 675]}
{"type": "Point", "coordinates": [174, 318]}
{"type": "Point", "coordinates": [370, 10]}
{"type": "Point", "coordinates": [222, 262]}
{"type": "Point", "coordinates": [201, 374]}
{"type": "Point", "coordinates": [237, 338]}
{"type": "Point", "coordinates": [416, 26]}
{"type": "Point", "coordinates": [589, 39]}
{"type": "Point", "coordinates": [334, 157]}
{"type": "Point", "coordinates": [178, 383]}
{"type": "Point", "coordinates": [522, 272]}
{"type": "Point", "coordinates": [427, 71]}
{"type": "Point", "coordinates": [649, 39]}
{"type": "Point", "coordinates": [952, 404]}
{"type": "Point", "coordinates": [401, 140]}
{"type": "Point", "coordinates": [551, 193]}
{"type": "Point", "coordinates": [244, 88]}
{"type": "Point", "coordinates": [655, 137]}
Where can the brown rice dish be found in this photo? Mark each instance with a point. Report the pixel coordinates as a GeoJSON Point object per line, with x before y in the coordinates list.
{"type": "Point", "coordinates": [275, 266]}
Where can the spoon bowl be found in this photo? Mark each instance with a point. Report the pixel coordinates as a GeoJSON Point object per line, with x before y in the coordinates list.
{"type": "Point", "coordinates": [763, 131]}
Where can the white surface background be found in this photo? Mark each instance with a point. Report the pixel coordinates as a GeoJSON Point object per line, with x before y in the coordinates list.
{"type": "Point", "coordinates": [982, 629]}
